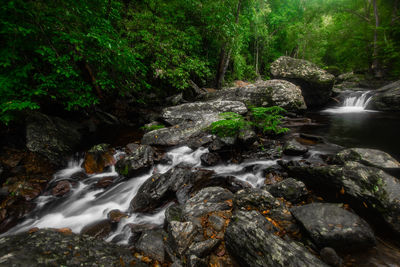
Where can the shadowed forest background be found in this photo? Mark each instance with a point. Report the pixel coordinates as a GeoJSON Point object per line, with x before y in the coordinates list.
{"type": "Point", "coordinates": [78, 54]}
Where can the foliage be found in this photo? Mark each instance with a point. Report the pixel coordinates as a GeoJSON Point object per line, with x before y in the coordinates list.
{"type": "Point", "coordinates": [152, 127]}
{"type": "Point", "coordinates": [229, 126]}
{"type": "Point", "coordinates": [268, 119]}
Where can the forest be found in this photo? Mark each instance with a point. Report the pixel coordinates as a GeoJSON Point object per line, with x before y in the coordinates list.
{"type": "Point", "coordinates": [79, 54]}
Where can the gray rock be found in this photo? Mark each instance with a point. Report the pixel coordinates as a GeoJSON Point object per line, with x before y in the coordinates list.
{"type": "Point", "coordinates": [329, 256]}
{"type": "Point", "coordinates": [386, 98]}
{"type": "Point", "coordinates": [369, 157]}
{"type": "Point", "coordinates": [377, 189]}
{"type": "Point", "coordinates": [204, 248]}
{"type": "Point", "coordinates": [247, 136]}
{"type": "Point", "coordinates": [254, 198]}
{"type": "Point", "coordinates": [316, 84]}
{"type": "Point", "coordinates": [265, 93]}
{"type": "Point", "coordinates": [332, 226]}
{"type": "Point", "coordinates": [99, 229]}
{"type": "Point", "coordinates": [51, 248]}
{"type": "Point", "coordinates": [194, 261]}
{"type": "Point", "coordinates": [207, 200]}
{"type": "Point", "coordinates": [139, 160]}
{"type": "Point", "coordinates": [180, 236]}
{"type": "Point", "coordinates": [51, 137]}
{"type": "Point", "coordinates": [249, 240]}
{"type": "Point", "coordinates": [173, 213]}
{"type": "Point", "coordinates": [294, 148]}
{"type": "Point", "coordinates": [216, 222]}
{"type": "Point", "coordinates": [151, 243]}
{"type": "Point", "coordinates": [290, 189]}
{"type": "Point", "coordinates": [210, 159]}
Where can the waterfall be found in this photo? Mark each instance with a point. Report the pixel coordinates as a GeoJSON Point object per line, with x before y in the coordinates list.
{"type": "Point", "coordinates": [353, 103]}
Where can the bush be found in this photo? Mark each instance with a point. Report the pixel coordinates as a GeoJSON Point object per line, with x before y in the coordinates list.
{"type": "Point", "coordinates": [268, 119]}
{"type": "Point", "coordinates": [229, 126]}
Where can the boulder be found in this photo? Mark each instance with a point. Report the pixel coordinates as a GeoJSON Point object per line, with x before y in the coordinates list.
{"type": "Point", "coordinates": [249, 240]}
{"type": "Point", "coordinates": [51, 137]}
{"type": "Point", "coordinates": [190, 120]}
{"type": "Point", "coordinates": [329, 225]}
{"type": "Point", "coordinates": [290, 189]}
{"type": "Point", "coordinates": [329, 256]}
{"type": "Point", "coordinates": [62, 188]}
{"type": "Point", "coordinates": [204, 248]}
{"type": "Point", "coordinates": [99, 229]}
{"type": "Point", "coordinates": [254, 198]}
{"type": "Point", "coordinates": [264, 93]}
{"type": "Point", "coordinates": [386, 98]}
{"type": "Point", "coordinates": [151, 243]}
{"type": "Point", "coordinates": [140, 159]}
{"type": "Point", "coordinates": [361, 184]}
{"type": "Point", "coordinates": [316, 84]}
{"type": "Point", "coordinates": [98, 158]}
{"type": "Point", "coordinates": [53, 248]}
{"type": "Point", "coordinates": [210, 159]}
{"type": "Point", "coordinates": [294, 148]}
{"type": "Point", "coordinates": [181, 236]}
{"type": "Point", "coordinates": [369, 157]}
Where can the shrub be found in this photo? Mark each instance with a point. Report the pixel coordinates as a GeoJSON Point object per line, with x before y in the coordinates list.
{"type": "Point", "coordinates": [267, 119]}
{"type": "Point", "coordinates": [229, 126]}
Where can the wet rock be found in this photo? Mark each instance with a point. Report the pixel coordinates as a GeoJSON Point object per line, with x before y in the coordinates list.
{"type": "Point", "coordinates": [105, 182]}
{"type": "Point", "coordinates": [210, 159]}
{"type": "Point", "coordinates": [204, 248]}
{"type": "Point", "coordinates": [139, 160]}
{"type": "Point", "coordinates": [138, 229]}
{"type": "Point", "coordinates": [207, 200]}
{"type": "Point", "coordinates": [386, 98]}
{"type": "Point", "coordinates": [216, 222]}
{"type": "Point", "coordinates": [231, 183]}
{"type": "Point", "coordinates": [363, 185]}
{"type": "Point", "coordinates": [251, 243]}
{"type": "Point", "coordinates": [181, 236]}
{"type": "Point", "coordinates": [151, 243]}
{"type": "Point", "coordinates": [189, 121]}
{"type": "Point", "coordinates": [61, 189]}
{"type": "Point", "coordinates": [194, 261]}
{"type": "Point", "coordinates": [98, 158]}
{"type": "Point", "coordinates": [51, 137]}
{"type": "Point", "coordinates": [115, 216]}
{"type": "Point", "coordinates": [294, 148]}
{"type": "Point", "coordinates": [316, 84]}
{"type": "Point", "coordinates": [264, 93]}
{"type": "Point", "coordinates": [247, 136]}
{"type": "Point", "coordinates": [99, 229]}
{"type": "Point", "coordinates": [290, 189]}
{"type": "Point", "coordinates": [369, 157]}
{"type": "Point", "coordinates": [331, 226]}
{"type": "Point", "coordinates": [329, 256]}
{"type": "Point", "coordinates": [78, 176]}
{"type": "Point", "coordinates": [254, 198]}
{"type": "Point", "coordinates": [52, 248]}
{"type": "Point", "coordinates": [176, 183]}
{"type": "Point", "coordinates": [13, 211]}
{"type": "Point", "coordinates": [173, 213]}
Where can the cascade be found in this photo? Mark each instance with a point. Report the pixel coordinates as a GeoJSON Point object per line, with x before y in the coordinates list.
{"type": "Point", "coordinates": [356, 102]}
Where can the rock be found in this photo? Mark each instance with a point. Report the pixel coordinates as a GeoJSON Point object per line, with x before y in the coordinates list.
{"type": "Point", "coordinates": [189, 121]}
{"type": "Point", "coordinates": [207, 200]}
{"type": "Point", "coordinates": [329, 256]}
{"type": "Point", "coordinates": [139, 160]}
{"type": "Point", "coordinates": [249, 240]}
{"type": "Point", "coordinates": [216, 222]}
{"type": "Point", "coordinates": [195, 261]}
{"type": "Point", "coordinates": [51, 137]}
{"type": "Point", "coordinates": [176, 183]}
{"type": "Point", "coordinates": [210, 159]}
{"type": "Point", "coordinates": [98, 158]}
{"type": "Point", "coordinates": [180, 236]}
{"type": "Point", "coordinates": [231, 183]}
{"type": "Point", "coordinates": [294, 148]}
{"type": "Point", "coordinates": [386, 98]}
{"type": "Point", "coordinates": [52, 248]}
{"type": "Point", "coordinates": [173, 213]}
{"type": "Point", "coordinates": [316, 84]}
{"type": "Point", "coordinates": [247, 136]}
{"type": "Point", "coordinates": [105, 182]}
{"type": "Point", "coordinates": [115, 216]}
{"type": "Point", "coordinates": [204, 248]}
{"type": "Point", "coordinates": [361, 184]}
{"type": "Point", "coordinates": [254, 198]}
{"type": "Point", "coordinates": [151, 243]}
{"type": "Point", "coordinates": [62, 188]}
{"type": "Point", "coordinates": [369, 157]}
{"type": "Point", "coordinates": [264, 93]}
{"type": "Point", "coordinates": [331, 226]}
{"type": "Point", "coordinates": [290, 189]}
{"type": "Point", "coordinates": [99, 229]}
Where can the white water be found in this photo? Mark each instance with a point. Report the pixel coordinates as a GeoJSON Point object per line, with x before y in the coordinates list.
{"type": "Point", "coordinates": [86, 204]}
{"type": "Point", "coordinates": [353, 104]}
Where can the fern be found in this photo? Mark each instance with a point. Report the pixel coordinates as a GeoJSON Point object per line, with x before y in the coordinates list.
{"type": "Point", "coordinates": [229, 126]}
{"type": "Point", "coordinates": [268, 119]}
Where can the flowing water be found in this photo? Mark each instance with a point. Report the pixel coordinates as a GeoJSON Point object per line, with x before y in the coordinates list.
{"type": "Point", "coordinates": [86, 204]}
{"type": "Point", "coordinates": [355, 103]}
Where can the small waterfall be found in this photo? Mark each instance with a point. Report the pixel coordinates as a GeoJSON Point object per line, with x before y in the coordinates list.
{"type": "Point", "coordinates": [353, 103]}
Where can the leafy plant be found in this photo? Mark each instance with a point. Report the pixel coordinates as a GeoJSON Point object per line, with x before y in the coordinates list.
{"type": "Point", "coordinates": [229, 126]}
{"type": "Point", "coordinates": [268, 119]}
{"type": "Point", "coordinates": [152, 127]}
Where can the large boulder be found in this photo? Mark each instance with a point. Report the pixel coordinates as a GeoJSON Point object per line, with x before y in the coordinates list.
{"type": "Point", "coordinates": [250, 241]}
{"type": "Point", "coordinates": [369, 157]}
{"type": "Point", "coordinates": [98, 158]}
{"type": "Point", "coordinates": [316, 84]}
{"type": "Point", "coordinates": [53, 248]}
{"type": "Point", "coordinates": [264, 93]}
{"type": "Point", "coordinates": [140, 159]}
{"type": "Point", "coordinates": [386, 98]}
{"type": "Point", "coordinates": [363, 185]}
{"type": "Point", "coordinates": [332, 226]}
{"type": "Point", "coordinates": [190, 120]}
{"type": "Point", "coordinates": [51, 137]}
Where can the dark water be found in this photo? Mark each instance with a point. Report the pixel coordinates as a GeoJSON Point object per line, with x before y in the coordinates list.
{"type": "Point", "coordinates": [378, 130]}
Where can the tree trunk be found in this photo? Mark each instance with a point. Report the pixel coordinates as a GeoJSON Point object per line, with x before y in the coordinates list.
{"type": "Point", "coordinates": [225, 55]}
{"type": "Point", "coordinates": [375, 60]}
